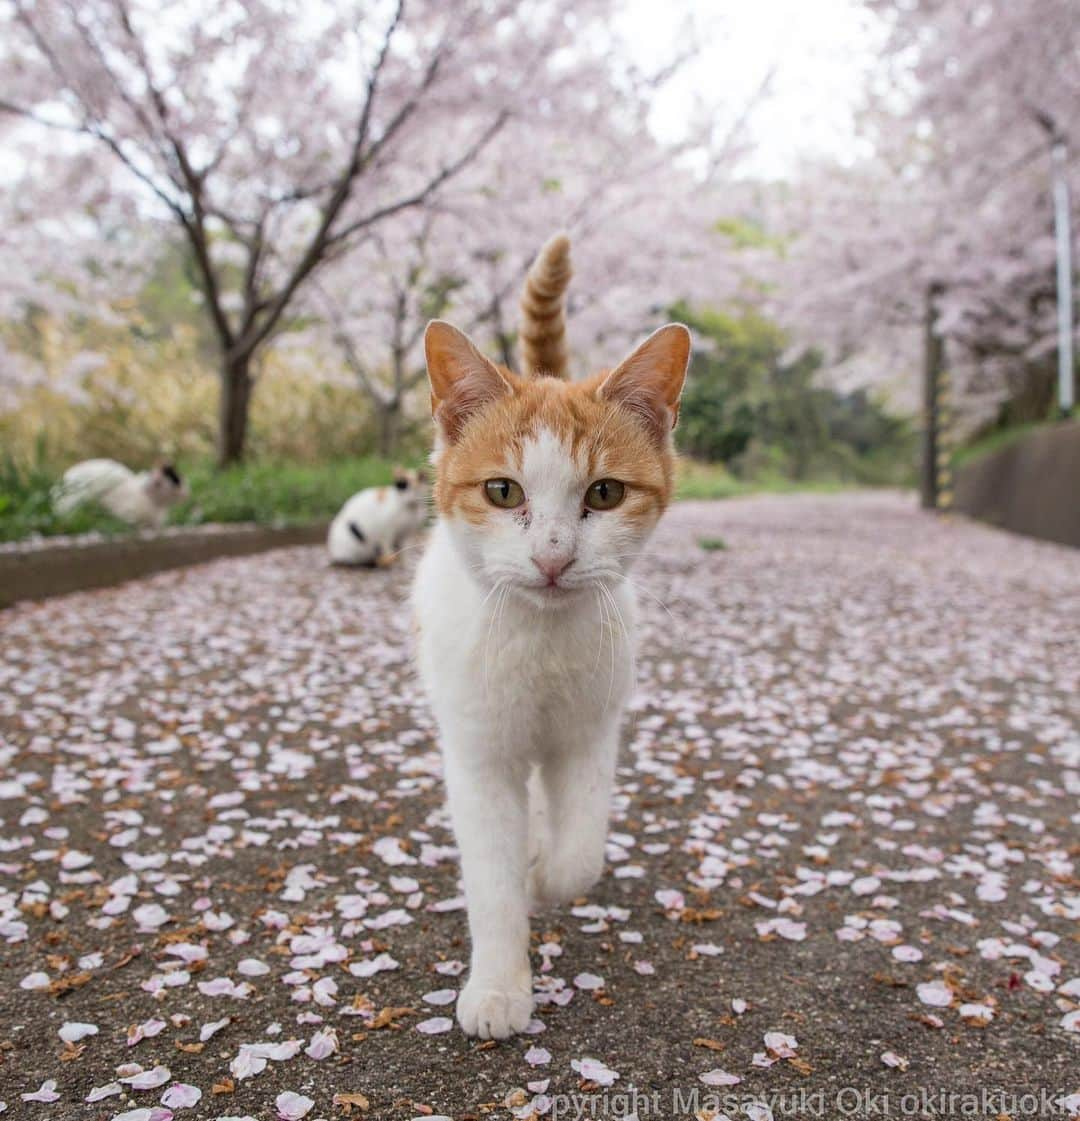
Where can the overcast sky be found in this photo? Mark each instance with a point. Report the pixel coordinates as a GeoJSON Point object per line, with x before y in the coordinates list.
{"type": "Point", "coordinates": [818, 49]}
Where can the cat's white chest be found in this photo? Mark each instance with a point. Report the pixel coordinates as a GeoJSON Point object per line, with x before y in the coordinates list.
{"type": "Point", "coordinates": [511, 666]}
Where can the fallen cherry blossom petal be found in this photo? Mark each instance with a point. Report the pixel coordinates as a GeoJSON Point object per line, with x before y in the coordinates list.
{"type": "Point", "coordinates": [181, 1095]}
{"type": "Point", "coordinates": [935, 993]}
{"type": "Point", "coordinates": [292, 1106]}
{"type": "Point", "coordinates": [148, 1079]}
{"type": "Point", "coordinates": [718, 1077]}
{"type": "Point", "coordinates": [594, 1071]}
{"type": "Point", "coordinates": [46, 1092]}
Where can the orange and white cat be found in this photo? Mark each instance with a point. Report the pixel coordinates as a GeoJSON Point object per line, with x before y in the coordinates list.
{"type": "Point", "coordinates": [546, 490]}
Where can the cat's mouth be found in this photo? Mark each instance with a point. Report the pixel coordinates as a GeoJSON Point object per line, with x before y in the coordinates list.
{"type": "Point", "coordinates": [549, 594]}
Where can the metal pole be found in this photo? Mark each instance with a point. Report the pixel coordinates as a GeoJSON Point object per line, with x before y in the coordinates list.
{"type": "Point", "coordinates": [1066, 372]}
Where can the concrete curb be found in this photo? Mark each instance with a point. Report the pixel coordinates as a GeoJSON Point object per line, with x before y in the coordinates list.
{"type": "Point", "coordinates": [53, 567]}
{"type": "Point", "coordinates": [1031, 486]}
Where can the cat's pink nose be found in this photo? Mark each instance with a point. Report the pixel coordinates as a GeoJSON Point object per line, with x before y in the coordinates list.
{"type": "Point", "coordinates": [553, 565]}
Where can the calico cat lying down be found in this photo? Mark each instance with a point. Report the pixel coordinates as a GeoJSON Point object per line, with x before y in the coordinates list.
{"type": "Point", "coordinates": [371, 528]}
{"type": "Point", "coordinates": [546, 491]}
{"type": "Point", "coordinates": [142, 498]}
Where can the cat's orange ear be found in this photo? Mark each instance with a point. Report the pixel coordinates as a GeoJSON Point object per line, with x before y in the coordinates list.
{"type": "Point", "coordinates": [650, 380]}
{"type": "Point", "coordinates": [462, 379]}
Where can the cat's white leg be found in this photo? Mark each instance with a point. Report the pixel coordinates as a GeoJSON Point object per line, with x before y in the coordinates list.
{"type": "Point", "coordinates": [577, 781]}
{"type": "Point", "coordinates": [489, 810]}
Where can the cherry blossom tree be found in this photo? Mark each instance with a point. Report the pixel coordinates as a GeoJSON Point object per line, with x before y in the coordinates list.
{"type": "Point", "coordinates": [72, 251]}
{"type": "Point", "coordinates": [642, 227]}
{"type": "Point", "coordinates": [277, 140]}
{"type": "Point", "coordinates": [951, 218]}
{"type": "Point", "coordinates": [372, 308]}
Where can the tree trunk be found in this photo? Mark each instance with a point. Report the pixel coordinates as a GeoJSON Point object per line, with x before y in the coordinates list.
{"type": "Point", "coordinates": [389, 420]}
{"type": "Point", "coordinates": [505, 343]}
{"type": "Point", "coordinates": [933, 368]}
{"type": "Point", "coordinates": [233, 406]}
{"type": "Point", "coordinates": [1032, 390]}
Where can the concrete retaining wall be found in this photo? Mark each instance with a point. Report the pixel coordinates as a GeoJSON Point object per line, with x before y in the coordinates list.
{"type": "Point", "coordinates": [53, 567]}
{"type": "Point", "coordinates": [1031, 486]}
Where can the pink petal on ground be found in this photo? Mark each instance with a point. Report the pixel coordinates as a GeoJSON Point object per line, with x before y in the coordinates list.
{"type": "Point", "coordinates": [292, 1106]}
{"type": "Point", "coordinates": [368, 967]}
{"type": "Point", "coordinates": [718, 1077]}
{"type": "Point", "coordinates": [73, 1031]}
{"type": "Point", "coordinates": [109, 1090]}
{"type": "Point", "coordinates": [670, 899]}
{"type": "Point", "coordinates": [589, 982]}
{"type": "Point", "coordinates": [323, 1044]}
{"type": "Point", "coordinates": [781, 1045]}
{"type": "Point", "coordinates": [537, 1057]}
{"type": "Point", "coordinates": [595, 1071]}
{"type": "Point", "coordinates": [148, 1079]}
{"type": "Point", "coordinates": [935, 993]}
{"type": "Point", "coordinates": [211, 1029]}
{"type": "Point", "coordinates": [181, 1095]}
{"type": "Point", "coordinates": [435, 1026]}
{"type": "Point", "coordinates": [46, 1092]}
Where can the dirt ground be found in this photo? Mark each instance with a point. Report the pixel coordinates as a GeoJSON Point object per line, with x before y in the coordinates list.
{"type": "Point", "coordinates": [842, 875]}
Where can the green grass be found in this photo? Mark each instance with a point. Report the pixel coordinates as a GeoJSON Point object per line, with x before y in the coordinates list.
{"type": "Point", "coordinates": [713, 480]}
{"type": "Point", "coordinates": [712, 544]}
{"type": "Point", "coordinates": [994, 441]}
{"type": "Point", "coordinates": [267, 493]}
{"type": "Point", "coordinates": [289, 494]}
{"type": "Point", "coordinates": [277, 494]}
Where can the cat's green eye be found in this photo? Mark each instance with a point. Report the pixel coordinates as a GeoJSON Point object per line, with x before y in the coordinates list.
{"type": "Point", "coordinates": [504, 493]}
{"type": "Point", "coordinates": [605, 494]}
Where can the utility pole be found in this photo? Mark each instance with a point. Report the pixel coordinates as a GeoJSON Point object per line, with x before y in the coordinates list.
{"type": "Point", "coordinates": [1066, 371]}
{"type": "Point", "coordinates": [1059, 156]}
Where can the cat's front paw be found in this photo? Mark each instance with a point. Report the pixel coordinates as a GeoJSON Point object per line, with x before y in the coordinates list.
{"type": "Point", "coordinates": [493, 1013]}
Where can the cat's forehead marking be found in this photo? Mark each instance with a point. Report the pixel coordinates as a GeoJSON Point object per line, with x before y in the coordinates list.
{"type": "Point", "coordinates": [550, 459]}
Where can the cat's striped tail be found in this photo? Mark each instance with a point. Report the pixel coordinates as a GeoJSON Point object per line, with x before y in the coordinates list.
{"type": "Point", "coordinates": [543, 310]}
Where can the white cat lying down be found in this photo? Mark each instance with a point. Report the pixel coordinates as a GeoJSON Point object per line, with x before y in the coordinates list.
{"type": "Point", "coordinates": [374, 524]}
{"type": "Point", "coordinates": [141, 498]}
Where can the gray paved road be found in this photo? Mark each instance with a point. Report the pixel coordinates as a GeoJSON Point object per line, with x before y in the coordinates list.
{"type": "Point", "coordinates": [843, 863]}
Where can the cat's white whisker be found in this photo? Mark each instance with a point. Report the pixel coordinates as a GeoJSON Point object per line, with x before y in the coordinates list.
{"type": "Point", "coordinates": [601, 626]}
{"type": "Point", "coordinates": [503, 588]}
{"type": "Point", "coordinates": [652, 595]}
{"type": "Point", "coordinates": [606, 592]}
